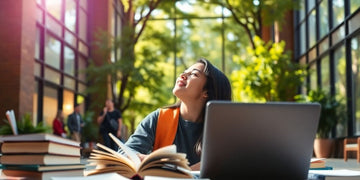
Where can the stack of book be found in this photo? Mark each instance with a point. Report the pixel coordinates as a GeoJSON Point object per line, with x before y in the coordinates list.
{"type": "Point", "coordinates": [40, 156]}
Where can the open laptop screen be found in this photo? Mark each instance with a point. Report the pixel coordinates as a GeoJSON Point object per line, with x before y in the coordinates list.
{"type": "Point", "coordinates": [264, 140]}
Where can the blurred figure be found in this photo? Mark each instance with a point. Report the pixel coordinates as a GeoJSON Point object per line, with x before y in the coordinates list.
{"type": "Point", "coordinates": [58, 124]}
{"type": "Point", "coordinates": [75, 124]}
{"type": "Point", "coordinates": [110, 121]}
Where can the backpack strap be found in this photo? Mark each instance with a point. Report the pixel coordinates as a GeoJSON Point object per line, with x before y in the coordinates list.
{"type": "Point", "coordinates": [166, 127]}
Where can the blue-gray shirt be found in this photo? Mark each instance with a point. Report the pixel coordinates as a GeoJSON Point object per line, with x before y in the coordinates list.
{"type": "Point", "coordinates": [186, 136]}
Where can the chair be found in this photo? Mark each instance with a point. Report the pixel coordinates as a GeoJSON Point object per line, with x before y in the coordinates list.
{"type": "Point", "coordinates": [352, 144]}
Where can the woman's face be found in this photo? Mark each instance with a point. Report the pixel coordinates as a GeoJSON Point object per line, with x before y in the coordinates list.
{"type": "Point", "coordinates": [190, 83]}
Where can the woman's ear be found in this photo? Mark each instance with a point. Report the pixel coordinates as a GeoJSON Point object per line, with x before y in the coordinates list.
{"type": "Point", "coordinates": [205, 95]}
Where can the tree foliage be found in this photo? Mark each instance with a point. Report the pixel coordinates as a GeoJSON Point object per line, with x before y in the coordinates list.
{"type": "Point", "coordinates": [252, 15]}
{"type": "Point", "coordinates": [266, 74]}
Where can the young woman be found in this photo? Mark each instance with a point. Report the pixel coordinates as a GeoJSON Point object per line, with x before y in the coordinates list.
{"type": "Point", "coordinates": [182, 123]}
{"type": "Point", "coordinates": [58, 124]}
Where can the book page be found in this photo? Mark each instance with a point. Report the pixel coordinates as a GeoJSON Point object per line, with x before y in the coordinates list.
{"type": "Point", "coordinates": [130, 153]}
{"type": "Point", "coordinates": [10, 115]}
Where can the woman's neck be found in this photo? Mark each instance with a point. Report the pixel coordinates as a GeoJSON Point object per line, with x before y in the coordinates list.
{"type": "Point", "coordinates": [192, 111]}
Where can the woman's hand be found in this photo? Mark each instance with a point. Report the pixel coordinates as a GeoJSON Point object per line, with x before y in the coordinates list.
{"type": "Point", "coordinates": [142, 156]}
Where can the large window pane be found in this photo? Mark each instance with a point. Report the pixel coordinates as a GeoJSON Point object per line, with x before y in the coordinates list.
{"type": "Point", "coordinates": [52, 76]}
{"type": "Point", "coordinates": [311, 5]}
{"type": "Point", "coordinates": [54, 26]}
{"type": "Point", "coordinates": [82, 67]}
{"type": "Point", "coordinates": [70, 15]}
{"type": "Point", "coordinates": [313, 76]}
{"type": "Point", "coordinates": [35, 103]}
{"type": "Point", "coordinates": [302, 10]}
{"type": "Point", "coordinates": [325, 74]}
{"type": "Point", "coordinates": [354, 23]}
{"type": "Point", "coordinates": [323, 46]}
{"type": "Point", "coordinates": [54, 8]}
{"type": "Point", "coordinates": [355, 58]}
{"type": "Point", "coordinates": [52, 52]}
{"type": "Point", "coordinates": [338, 12]}
{"type": "Point", "coordinates": [312, 29]}
{"type": "Point", "coordinates": [69, 82]}
{"type": "Point", "coordinates": [302, 39]}
{"type": "Point", "coordinates": [82, 25]}
{"type": "Point", "coordinates": [354, 5]}
{"type": "Point", "coordinates": [324, 18]}
{"type": "Point", "coordinates": [340, 84]}
{"type": "Point", "coordinates": [50, 105]}
{"type": "Point", "coordinates": [68, 102]}
{"type": "Point", "coordinates": [37, 43]}
{"type": "Point", "coordinates": [69, 61]}
{"type": "Point", "coordinates": [338, 35]}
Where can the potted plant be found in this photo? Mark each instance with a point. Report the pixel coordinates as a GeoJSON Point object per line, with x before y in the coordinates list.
{"type": "Point", "coordinates": [25, 126]}
{"type": "Point", "coordinates": [332, 113]}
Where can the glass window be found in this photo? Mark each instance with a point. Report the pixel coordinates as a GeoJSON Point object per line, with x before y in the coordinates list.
{"type": "Point", "coordinates": [39, 15]}
{"type": "Point", "coordinates": [338, 12]}
{"type": "Point", "coordinates": [302, 39]}
{"type": "Point", "coordinates": [312, 28]}
{"type": "Point", "coordinates": [311, 5]}
{"type": "Point", "coordinates": [50, 105]}
{"type": "Point", "coordinates": [82, 67]}
{"type": "Point", "coordinates": [302, 10]}
{"type": "Point", "coordinates": [52, 51]}
{"type": "Point", "coordinates": [35, 103]}
{"type": "Point", "coordinates": [312, 54]}
{"type": "Point", "coordinates": [324, 18]}
{"type": "Point", "coordinates": [354, 23]}
{"type": "Point", "coordinates": [68, 103]}
{"type": "Point", "coordinates": [37, 69]}
{"type": "Point", "coordinates": [325, 74]}
{"type": "Point", "coordinates": [37, 43]}
{"type": "Point", "coordinates": [313, 76]}
{"type": "Point", "coordinates": [354, 5]}
{"type": "Point", "coordinates": [323, 46]}
{"type": "Point", "coordinates": [69, 61]}
{"type": "Point", "coordinates": [302, 62]}
{"type": "Point", "coordinates": [52, 76]}
{"type": "Point", "coordinates": [54, 26]}
{"type": "Point", "coordinates": [54, 8]}
{"type": "Point", "coordinates": [70, 15]}
{"type": "Point", "coordinates": [338, 35]}
{"type": "Point", "coordinates": [70, 38]}
{"type": "Point", "coordinates": [82, 87]}
{"type": "Point", "coordinates": [83, 4]}
{"type": "Point", "coordinates": [69, 82]}
{"type": "Point", "coordinates": [83, 48]}
{"type": "Point", "coordinates": [340, 84]}
{"type": "Point", "coordinates": [82, 25]}
{"type": "Point", "coordinates": [355, 57]}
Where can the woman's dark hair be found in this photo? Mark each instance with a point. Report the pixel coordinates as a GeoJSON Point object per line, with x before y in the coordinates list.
{"type": "Point", "coordinates": [218, 88]}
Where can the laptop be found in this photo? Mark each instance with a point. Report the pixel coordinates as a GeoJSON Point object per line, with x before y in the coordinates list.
{"type": "Point", "coordinates": [258, 141]}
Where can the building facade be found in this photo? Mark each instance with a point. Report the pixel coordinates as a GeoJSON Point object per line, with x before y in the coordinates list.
{"type": "Point", "coordinates": [327, 38]}
{"type": "Point", "coordinates": [44, 49]}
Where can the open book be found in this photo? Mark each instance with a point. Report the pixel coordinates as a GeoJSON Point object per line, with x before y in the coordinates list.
{"type": "Point", "coordinates": [164, 162]}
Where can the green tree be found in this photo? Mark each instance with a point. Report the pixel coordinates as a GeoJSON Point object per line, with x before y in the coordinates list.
{"type": "Point", "coordinates": [266, 74]}
{"type": "Point", "coordinates": [252, 15]}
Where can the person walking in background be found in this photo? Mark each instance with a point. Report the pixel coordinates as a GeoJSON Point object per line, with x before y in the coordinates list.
{"type": "Point", "coordinates": [110, 121]}
{"type": "Point", "coordinates": [58, 124]}
{"type": "Point", "coordinates": [75, 123]}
